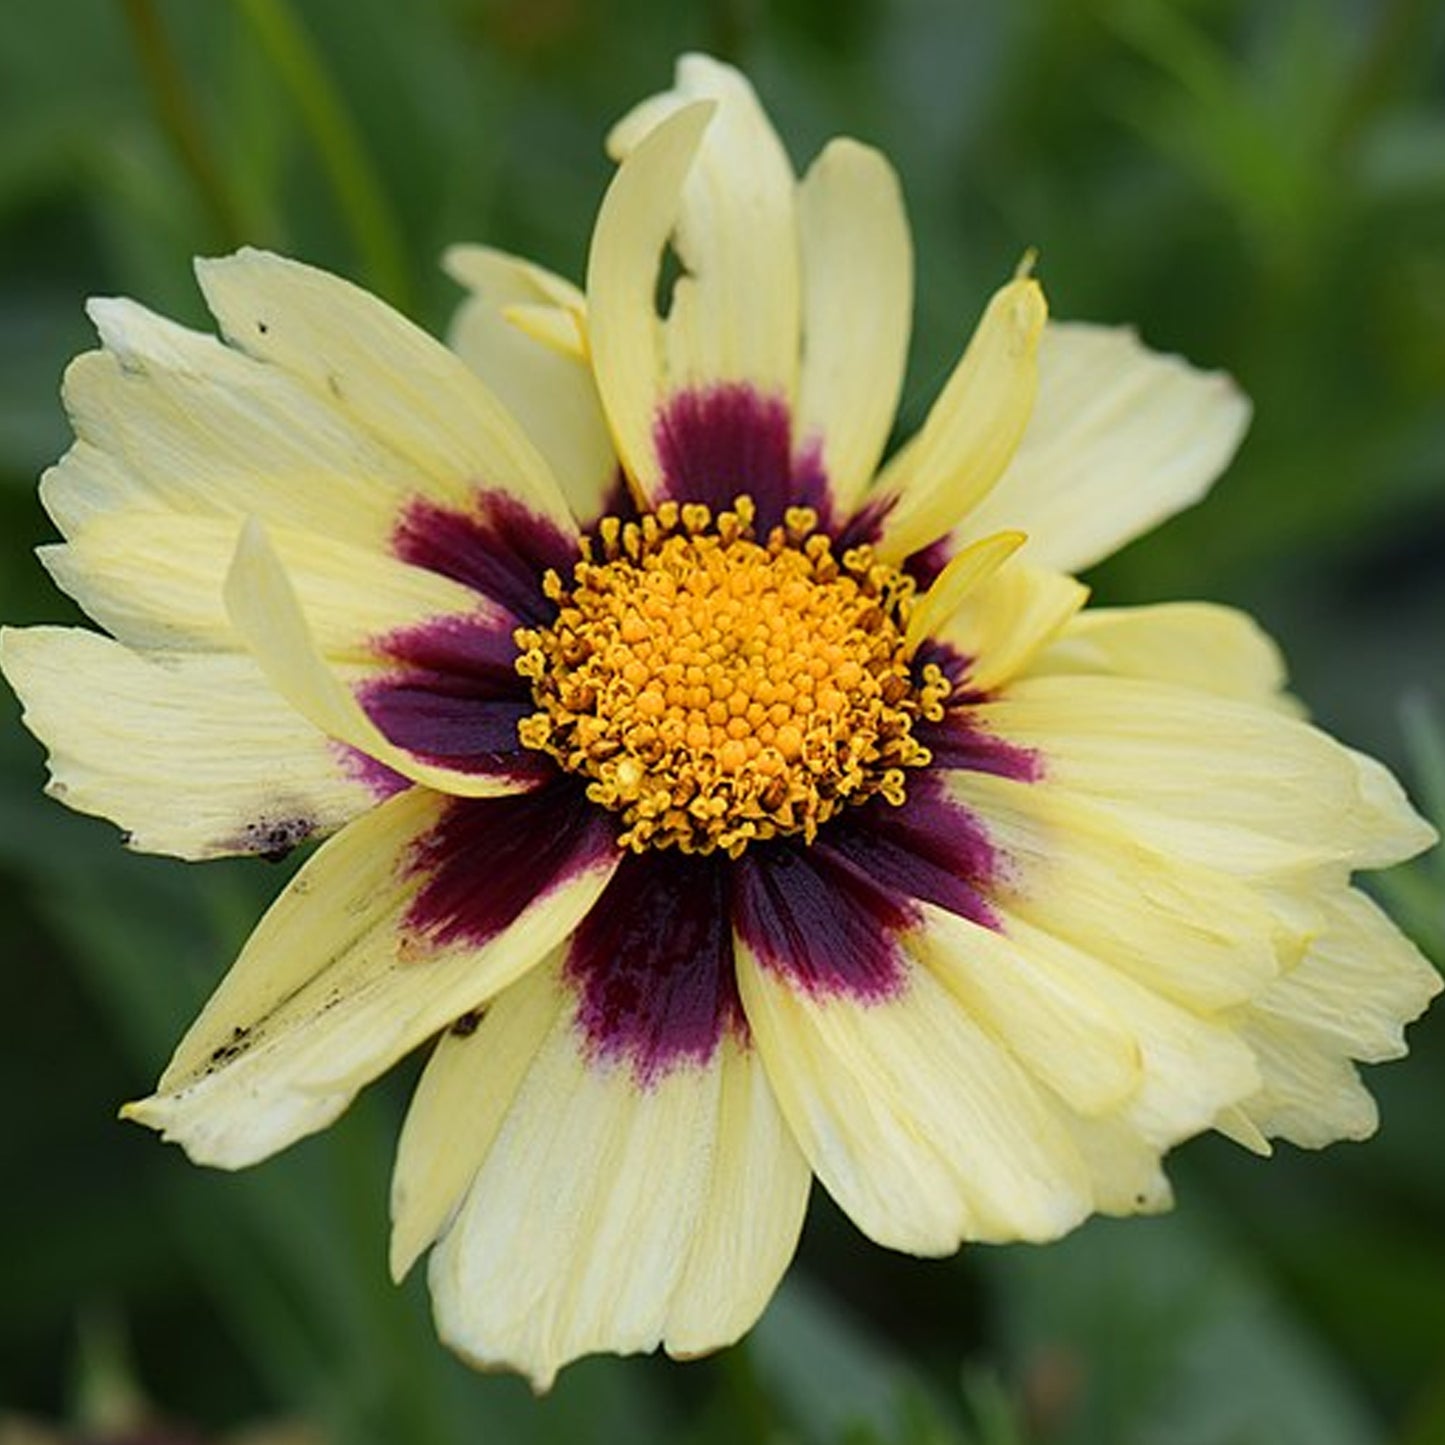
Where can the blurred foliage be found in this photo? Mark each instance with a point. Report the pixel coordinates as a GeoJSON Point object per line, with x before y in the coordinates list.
{"type": "Point", "coordinates": [1259, 186]}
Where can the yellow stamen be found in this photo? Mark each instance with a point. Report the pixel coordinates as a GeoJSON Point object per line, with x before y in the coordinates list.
{"type": "Point", "coordinates": [717, 689]}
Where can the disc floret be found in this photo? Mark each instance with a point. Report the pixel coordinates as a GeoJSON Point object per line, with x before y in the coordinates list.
{"type": "Point", "coordinates": [717, 688]}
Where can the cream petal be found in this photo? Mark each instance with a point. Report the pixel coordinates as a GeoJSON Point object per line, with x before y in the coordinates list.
{"type": "Point", "coordinates": [1393, 831]}
{"type": "Point", "coordinates": [170, 419]}
{"type": "Point", "coordinates": [1311, 1095]}
{"type": "Point", "coordinates": [587, 1211]}
{"type": "Point", "coordinates": [502, 331]}
{"type": "Point", "coordinates": [1196, 935]}
{"type": "Point", "coordinates": [1186, 1068]}
{"type": "Point", "coordinates": [1126, 1170]}
{"type": "Point", "coordinates": [192, 755]}
{"type": "Point", "coordinates": [921, 1127]}
{"type": "Point", "coordinates": [735, 313]}
{"type": "Point", "coordinates": [1360, 982]}
{"type": "Point", "coordinates": [154, 580]}
{"type": "Point", "coordinates": [1033, 1002]}
{"type": "Point", "coordinates": [1120, 438]}
{"type": "Point", "coordinates": [857, 278]}
{"type": "Point", "coordinates": [748, 1230]}
{"type": "Point", "coordinates": [1190, 644]}
{"type": "Point", "coordinates": [337, 982]}
{"type": "Point", "coordinates": [1004, 623]}
{"type": "Point", "coordinates": [624, 331]}
{"type": "Point", "coordinates": [1173, 762]}
{"type": "Point", "coordinates": [383, 374]}
{"type": "Point", "coordinates": [89, 482]}
{"type": "Point", "coordinates": [266, 613]}
{"type": "Point", "coordinates": [970, 570]}
{"type": "Point", "coordinates": [970, 434]}
{"type": "Point", "coordinates": [702, 171]}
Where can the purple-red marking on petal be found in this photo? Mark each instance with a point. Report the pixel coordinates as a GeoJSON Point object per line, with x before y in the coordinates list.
{"type": "Point", "coordinates": [925, 565]}
{"type": "Point", "coordinates": [716, 442]}
{"type": "Point", "coordinates": [488, 859]}
{"type": "Point", "coordinates": [501, 548]}
{"type": "Point", "coordinates": [927, 848]}
{"type": "Point", "coordinates": [455, 699]}
{"type": "Point", "coordinates": [865, 526]}
{"type": "Point", "coordinates": [653, 965]}
{"type": "Point", "coordinates": [957, 740]}
{"type": "Point", "coordinates": [820, 921]}
{"type": "Point", "coordinates": [617, 501]}
{"type": "Point", "coordinates": [384, 782]}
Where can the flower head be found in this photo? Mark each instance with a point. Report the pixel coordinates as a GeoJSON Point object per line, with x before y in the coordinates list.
{"type": "Point", "coordinates": [726, 810]}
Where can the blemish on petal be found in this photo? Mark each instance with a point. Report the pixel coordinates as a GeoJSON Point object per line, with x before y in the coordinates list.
{"type": "Point", "coordinates": [273, 838]}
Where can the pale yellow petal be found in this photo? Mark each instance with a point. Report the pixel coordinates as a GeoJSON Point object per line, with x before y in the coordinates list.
{"type": "Point", "coordinates": [964, 575]}
{"type": "Point", "coordinates": [89, 482]}
{"type": "Point", "coordinates": [921, 1127]}
{"type": "Point", "coordinates": [735, 312]}
{"type": "Point", "coordinates": [386, 376]}
{"type": "Point", "coordinates": [1004, 623]}
{"type": "Point", "coordinates": [334, 986]}
{"type": "Point", "coordinates": [1186, 1067]}
{"type": "Point", "coordinates": [1358, 985]}
{"type": "Point", "coordinates": [191, 755]}
{"type": "Point", "coordinates": [857, 277]}
{"type": "Point", "coordinates": [624, 331]}
{"type": "Point", "coordinates": [1033, 1001]}
{"type": "Point", "coordinates": [1391, 829]}
{"type": "Point", "coordinates": [589, 1212]}
{"type": "Point", "coordinates": [501, 332]}
{"type": "Point", "coordinates": [170, 419]}
{"type": "Point", "coordinates": [970, 434]}
{"type": "Point", "coordinates": [1199, 936]}
{"type": "Point", "coordinates": [263, 607]}
{"type": "Point", "coordinates": [460, 1105]}
{"type": "Point", "coordinates": [1125, 1169]}
{"type": "Point", "coordinates": [1120, 438]}
{"type": "Point", "coordinates": [155, 580]}
{"type": "Point", "coordinates": [750, 1221]}
{"type": "Point", "coordinates": [1311, 1095]}
{"type": "Point", "coordinates": [1190, 644]}
{"type": "Point", "coordinates": [1188, 760]}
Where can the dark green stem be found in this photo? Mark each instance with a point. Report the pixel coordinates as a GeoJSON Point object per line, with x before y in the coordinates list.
{"type": "Point", "coordinates": [180, 119]}
{"type": "Point", "coordinates": [333, 133]}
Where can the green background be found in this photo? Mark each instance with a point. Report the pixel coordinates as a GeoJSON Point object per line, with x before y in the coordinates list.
{"type": "Point", "coordinates": [1259, 186]}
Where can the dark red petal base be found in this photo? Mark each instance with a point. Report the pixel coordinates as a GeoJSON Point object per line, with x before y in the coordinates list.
{"type": "Point", "coordinates": [653, 964]}
{"type": "Point", "coordinates": [717, 441]}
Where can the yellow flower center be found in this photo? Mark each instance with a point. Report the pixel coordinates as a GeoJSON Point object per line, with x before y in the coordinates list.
{"type": "Point", "coordinates": [718, 689]}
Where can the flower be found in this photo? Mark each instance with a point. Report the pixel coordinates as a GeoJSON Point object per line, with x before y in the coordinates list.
{"type": "Point", "coordinates": [730, 811]}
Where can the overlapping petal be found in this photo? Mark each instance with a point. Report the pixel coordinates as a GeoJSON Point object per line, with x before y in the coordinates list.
{"type": "Point", "coordinates": [190, 753]}
{"type": "Point", "coordinates": [579, 1212]}
{"type": "Point", "coordinates": [523, 331]}
{"type": "Point", "coordinates": [1119, 439]}
{"type": "Point", "coordinates": [410, 917]}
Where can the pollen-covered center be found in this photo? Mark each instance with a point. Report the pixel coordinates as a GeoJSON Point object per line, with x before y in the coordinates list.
{"type": "Point", "coordinates": [717, 688]}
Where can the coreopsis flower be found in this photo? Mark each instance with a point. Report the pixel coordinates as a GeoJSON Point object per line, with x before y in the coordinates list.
{"type": "Point", "coordinates": [725, 808]}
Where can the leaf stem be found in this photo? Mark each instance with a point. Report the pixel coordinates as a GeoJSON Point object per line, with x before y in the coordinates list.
{"type": "Point", "coordinates": [180, 118]}
{"type": "Point", "coordinates": [334, 134]}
